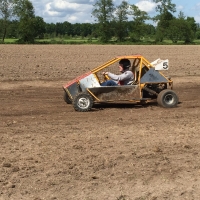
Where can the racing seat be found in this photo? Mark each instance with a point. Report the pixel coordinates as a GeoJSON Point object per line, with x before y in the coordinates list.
{"type": "Point", "coordinates": [135, 70]}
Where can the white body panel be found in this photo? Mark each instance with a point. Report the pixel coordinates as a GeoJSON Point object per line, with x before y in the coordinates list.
{"type": "Point", "coordinates": [89, 82]}
{"type": "Point", "coordinates": [161, 64]}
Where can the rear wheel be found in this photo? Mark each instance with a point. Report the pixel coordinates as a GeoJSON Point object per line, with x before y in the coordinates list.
{"type": "Point", "coordinates": [167, 98]}
{"type": "Point", "coordinates": [83, 102]}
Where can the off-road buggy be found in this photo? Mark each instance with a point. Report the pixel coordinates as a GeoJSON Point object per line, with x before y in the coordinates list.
{"type": "Point", "coordinates": [149, 85]}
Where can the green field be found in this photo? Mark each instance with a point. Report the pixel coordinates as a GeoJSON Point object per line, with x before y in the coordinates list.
{"type": "Point", "coordinates": [94, 40]}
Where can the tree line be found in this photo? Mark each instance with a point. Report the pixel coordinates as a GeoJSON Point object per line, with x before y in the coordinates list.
{"type": "Point", "coordinates": [124, 22]}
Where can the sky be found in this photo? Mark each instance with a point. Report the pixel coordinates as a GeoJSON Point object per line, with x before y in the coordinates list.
{"type": "Point", "coordinates": [79, 11]}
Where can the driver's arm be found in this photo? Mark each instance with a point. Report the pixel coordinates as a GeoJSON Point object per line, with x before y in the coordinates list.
{"type": "Point", "coordinates": [122, 77]}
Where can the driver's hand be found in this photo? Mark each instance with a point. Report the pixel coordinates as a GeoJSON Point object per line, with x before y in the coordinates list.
{"type": "Point", "coordinates": [104, 73]}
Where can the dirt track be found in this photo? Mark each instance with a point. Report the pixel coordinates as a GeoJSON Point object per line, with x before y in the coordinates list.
{"type": "Point", "coordinates": [49, 151]}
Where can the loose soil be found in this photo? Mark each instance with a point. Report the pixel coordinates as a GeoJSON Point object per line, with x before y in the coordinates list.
{"type": "Point", "coordinates": [126, 152]}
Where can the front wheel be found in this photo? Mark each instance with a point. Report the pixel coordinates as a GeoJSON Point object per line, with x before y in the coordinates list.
{"type": "Point", "coordinates": [66, 98]}
{"type": "Point", "coordinates": [167, 98]}
{"type": "Point", "coordinates": [83, 102]}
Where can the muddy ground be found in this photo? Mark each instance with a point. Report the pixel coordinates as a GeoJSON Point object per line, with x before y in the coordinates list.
{"type": "Point", "coordinates": [49, 151]}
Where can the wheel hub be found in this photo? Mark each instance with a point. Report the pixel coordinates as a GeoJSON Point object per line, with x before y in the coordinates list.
{"type": "Point", "coordinates": [169, 99]}
{"type": "Point", "coordinates": [83, 103]}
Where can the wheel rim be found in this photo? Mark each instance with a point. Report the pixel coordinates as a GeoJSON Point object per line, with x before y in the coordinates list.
{"type": "Point", "coordinates": [83, 103]}
{"type": "Point", "coordinates": [169, 99]}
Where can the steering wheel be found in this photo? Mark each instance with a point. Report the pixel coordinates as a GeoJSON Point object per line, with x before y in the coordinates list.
{"type": "Point", "coordinates": [106, 77]}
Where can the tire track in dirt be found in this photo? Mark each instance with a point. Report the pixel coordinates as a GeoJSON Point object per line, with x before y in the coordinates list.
{"type": "Point", "coordinates": [49, 151]}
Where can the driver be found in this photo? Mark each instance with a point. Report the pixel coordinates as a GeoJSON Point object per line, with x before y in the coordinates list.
{"type": "Point", "coordinates": [125, 78]}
